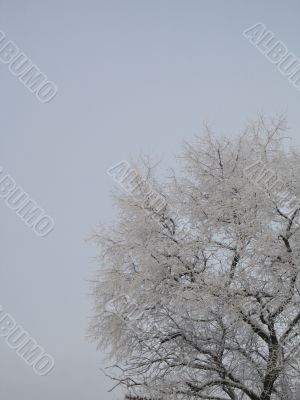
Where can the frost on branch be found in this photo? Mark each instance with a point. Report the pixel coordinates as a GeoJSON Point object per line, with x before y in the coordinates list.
{"type": "Point", "coordinates": [201, 299]}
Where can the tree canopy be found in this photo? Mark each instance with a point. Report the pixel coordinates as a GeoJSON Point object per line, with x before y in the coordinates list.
{"type": "Point", "coordinates": [200, 299]}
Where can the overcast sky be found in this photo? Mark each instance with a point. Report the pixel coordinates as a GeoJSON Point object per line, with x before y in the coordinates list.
{"type": "Point", "coordinates": [132, 76]}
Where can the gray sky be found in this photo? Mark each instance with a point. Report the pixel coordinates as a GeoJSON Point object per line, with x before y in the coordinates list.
{"type": "Point", "coordinates": [133, 76]}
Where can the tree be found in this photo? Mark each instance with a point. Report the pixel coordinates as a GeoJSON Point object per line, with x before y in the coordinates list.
{"type": "Point", "coordinates": [200, 299]}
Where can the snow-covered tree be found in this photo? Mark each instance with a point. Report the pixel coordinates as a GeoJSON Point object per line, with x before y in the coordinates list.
{"type": "Point", "coordinates": [200, 300]}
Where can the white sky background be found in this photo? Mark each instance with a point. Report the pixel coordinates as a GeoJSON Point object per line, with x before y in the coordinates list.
{"type": "Point", "coordinates": [133, 76]}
